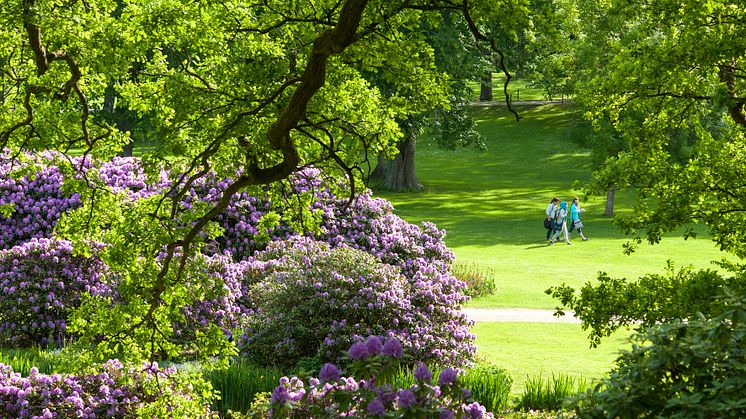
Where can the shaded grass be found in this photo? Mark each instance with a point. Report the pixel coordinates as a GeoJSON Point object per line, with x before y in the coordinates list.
{"type": "Point", "coordinates": [528, 350]}
{"type": "Point", "coordinates": [491, 203]}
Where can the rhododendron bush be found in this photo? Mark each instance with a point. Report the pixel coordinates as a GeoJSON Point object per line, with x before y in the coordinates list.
{"type": "Point", "coordinates": [111, 391]}
{"type": "Point", "coordinates": [303, 257]}
{"type": "Point", "coordinates": [41, 282]}
{"type": "Point", "coordinates": [313, 301]}
{"type": "Point", "coordinates": [369, 395]}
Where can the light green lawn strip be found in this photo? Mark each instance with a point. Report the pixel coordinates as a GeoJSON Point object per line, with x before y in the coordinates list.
{"type": "Point", "coordinates": [531, 349]}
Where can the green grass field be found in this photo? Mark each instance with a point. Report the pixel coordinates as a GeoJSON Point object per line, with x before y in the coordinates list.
{"type": "Point", "coordinates": [533, 349]}
{"type": "Point", "coordinates": [491, 203]}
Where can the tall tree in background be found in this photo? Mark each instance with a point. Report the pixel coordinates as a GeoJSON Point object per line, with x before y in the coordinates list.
{"type": "Point", "coordinates": [461, 58]}
{"type": "Point", "coordinates": [457, 60]}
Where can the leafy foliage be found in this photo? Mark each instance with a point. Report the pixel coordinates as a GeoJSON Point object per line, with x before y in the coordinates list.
{"type": "Point", "coordinates": [611, 303]}
{"type": "Point", "coordinates": [667, 77]}
{"type": "Point", "coordinates": [678, 369]}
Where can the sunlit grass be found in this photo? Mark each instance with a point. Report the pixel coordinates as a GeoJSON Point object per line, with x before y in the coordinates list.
{"type": "Point", "coordinates": [530, 349]}
{"type": "Point", "coordinates": [491, 203]}
{"type": "Point", "coordinates": [517, 88]}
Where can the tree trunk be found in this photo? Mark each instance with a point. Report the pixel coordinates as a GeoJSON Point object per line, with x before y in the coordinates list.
{"type": "Point", "coordinates": [609, 211]}
{"type": "Point", "coordinates": [485, 93]}
{"type": "Point", "coordinates": [120, 118]}
{"type": "Point", "coordinates": [398, 175]}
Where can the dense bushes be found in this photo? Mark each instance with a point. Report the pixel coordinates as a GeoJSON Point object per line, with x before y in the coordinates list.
{"type": "Point", "coordinates": [113, 391]}
{"type": "Point", "coordinates": [313, 301]}
{"type": "Point", "coordinates": [42, 282]}
{"type": "Point", "coordinates": [610, 303]}
{"type": "Point", "coordinates": [679, 369]}
{"type": "Point", "coordinates": [385, 276]}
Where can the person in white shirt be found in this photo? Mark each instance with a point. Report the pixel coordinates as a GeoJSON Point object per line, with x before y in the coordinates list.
{"type": "Point", "coordinates": [560, 225]}
{"type": "Point", "coordinates": [551, 214]}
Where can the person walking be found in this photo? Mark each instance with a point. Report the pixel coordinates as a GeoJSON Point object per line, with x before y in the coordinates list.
{"type": "Point", "coordinates": [560, 225]}
{"type": "Point", "coordinates": [551, 214]}
{"type": "Point", "coordinates": [575, 223]}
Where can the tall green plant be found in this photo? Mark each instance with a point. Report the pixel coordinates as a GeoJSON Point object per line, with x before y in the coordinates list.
{"type": "Point", "coordinates": [550, 394]}
{"type": "Point", "coordinates": [489, 385]}
{"type": "Point", "coordinates": [239, 384]}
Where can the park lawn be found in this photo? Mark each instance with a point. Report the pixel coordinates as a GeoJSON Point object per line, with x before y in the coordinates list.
{"type": "Point", "coordinates": [543, 349]}
{"type": "Point", "coordinates": [517, 88]}
{"type": "Point", "coordinates": [491, 204]}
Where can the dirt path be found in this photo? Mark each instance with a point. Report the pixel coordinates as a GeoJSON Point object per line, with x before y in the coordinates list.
{"type": "Point", "coordinates": [518, 315]}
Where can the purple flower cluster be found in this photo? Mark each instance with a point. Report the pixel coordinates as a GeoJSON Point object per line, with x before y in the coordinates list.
{"type": "Point", "coordinates": [126, 175]}
{"type": "Point", "coordinates": [313, 300]}
{"type": "Point", "coordinates": [339, 396]}
{"type": "Point", "coordinates": [36, 199]}
{"type": "Point", "coordinates": [41, 282]}
{"type": "Point", "coordinates": [113, 392]}
{"type": "Point", "coordinates": [32, 187]}
{"type": "Point", "coordinates": [369, 224]}
{"type": "Point", "coordinates": [216, 290]}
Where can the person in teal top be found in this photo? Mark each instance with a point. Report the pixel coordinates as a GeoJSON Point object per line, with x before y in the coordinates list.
{"type": "Point", "coordinates": [575, 223]}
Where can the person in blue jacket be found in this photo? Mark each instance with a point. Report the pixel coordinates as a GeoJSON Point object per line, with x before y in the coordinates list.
{"type": "Point", "coordinates": [575, 223]}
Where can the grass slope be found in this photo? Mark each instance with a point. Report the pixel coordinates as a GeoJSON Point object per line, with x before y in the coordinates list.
{"type": "Point", "coordinates": [491, 204]}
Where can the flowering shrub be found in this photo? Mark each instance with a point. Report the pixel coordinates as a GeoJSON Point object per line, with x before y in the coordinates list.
{"type": "Point", "coordinates": [369, 224]}
{"type": "Point", "coordinates": [41, 282]}
{"type": "Point", "coordinates": [312, 300]}
{"type": "Point", "coordinates": [126, 175]}
{"type": "Point", "coordinates": [32, 193]}
{"type": "Point", "coordinates": [420, 308]}
{"type": "Point", "coordinates": [112, 392]}
{"type": "Point", "coordinates": [333, 395]}
{"type": "Point", "coordinates": [34, 201]}
{"type": "Point", "coordinates": [214, 284]}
